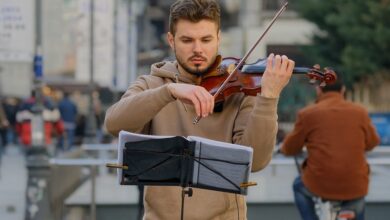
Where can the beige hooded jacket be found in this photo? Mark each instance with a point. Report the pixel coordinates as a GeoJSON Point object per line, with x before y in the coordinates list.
{"type": "Point", "coordinates": [148, 107]}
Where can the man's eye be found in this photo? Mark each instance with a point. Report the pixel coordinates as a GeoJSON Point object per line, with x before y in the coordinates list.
{"type": "Point", "coordinates": [206, 40]}
{"type": "Point", "coordinates": [187, 41]}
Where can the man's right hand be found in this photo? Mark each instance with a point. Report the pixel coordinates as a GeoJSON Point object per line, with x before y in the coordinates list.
{"type": "Point", "coordinates": [197, 96]}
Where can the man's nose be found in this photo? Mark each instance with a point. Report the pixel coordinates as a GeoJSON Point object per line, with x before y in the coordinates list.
{"type": "Point", "coordinates": [197, 47]}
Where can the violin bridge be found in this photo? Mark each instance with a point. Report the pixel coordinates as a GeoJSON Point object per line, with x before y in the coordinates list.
{"type": "Point", "coordinates": [231, 68]}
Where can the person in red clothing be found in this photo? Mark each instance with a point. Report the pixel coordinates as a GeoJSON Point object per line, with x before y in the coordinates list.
{"type": "Point", "coordinates": [336, 133]}
{"type": "Point", "coordinates": [51, 119]}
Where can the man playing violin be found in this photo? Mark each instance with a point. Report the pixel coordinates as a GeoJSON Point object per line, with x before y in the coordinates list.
{"type": "Point", "coordinates": [166, 101]}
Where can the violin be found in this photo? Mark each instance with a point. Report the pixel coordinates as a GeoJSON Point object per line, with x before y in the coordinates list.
{"type": "Point", "coordinates": [237, 77]}
{"type": "Point", "coordinates": [247, 79]}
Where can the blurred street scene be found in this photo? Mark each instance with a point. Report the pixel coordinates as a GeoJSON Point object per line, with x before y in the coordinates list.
{"type": "Point", "coordinates": [64, 62]}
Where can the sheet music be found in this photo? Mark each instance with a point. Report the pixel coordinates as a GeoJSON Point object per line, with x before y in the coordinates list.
{"type": "Point", "coordinates": [221, 157]}
{"type": "Point", "coordinates": [219, 143]}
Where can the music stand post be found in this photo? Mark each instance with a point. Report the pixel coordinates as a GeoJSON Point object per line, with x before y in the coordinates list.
{"type": "Point", "coordinates": [186, 189]}
{"type": "Point", "coordinates": [184, 192]}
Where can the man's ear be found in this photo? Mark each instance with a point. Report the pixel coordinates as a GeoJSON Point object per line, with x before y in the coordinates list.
{"type": "Point", "coordinates": [343, 90]}
{"type": "Point", "coordinates": [170, 39]}
{"type": "Point", "coordinates": [318, 91]}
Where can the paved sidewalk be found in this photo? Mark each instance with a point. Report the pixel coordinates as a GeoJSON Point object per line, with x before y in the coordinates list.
{"type": "Point", "coordinates": [13, 180]}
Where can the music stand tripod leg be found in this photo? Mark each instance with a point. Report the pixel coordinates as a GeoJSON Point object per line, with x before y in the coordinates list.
{"type": "Point", "coordinates": [184, 191]}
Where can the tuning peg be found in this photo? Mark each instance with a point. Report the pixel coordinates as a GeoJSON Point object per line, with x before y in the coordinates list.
{"type": "Point", "coordinates": [330, 75]}
{"type": "Point", "coordinates": [328, 69]}
{"type": "Point", "coordinates": [312, 81]}
{"type": "Point", "coordinates": [323, 83]}
{"type": "Point", "coordinates": [317, 67]}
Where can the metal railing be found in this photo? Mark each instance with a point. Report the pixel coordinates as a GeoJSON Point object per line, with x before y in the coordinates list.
{"type": "Point", "coordinates": [92, 164]}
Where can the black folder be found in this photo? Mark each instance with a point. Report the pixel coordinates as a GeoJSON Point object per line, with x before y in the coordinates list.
{"type": "Point", "coordinates": [186, 162]}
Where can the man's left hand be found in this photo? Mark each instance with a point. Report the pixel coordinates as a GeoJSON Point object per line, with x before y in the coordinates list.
{"type": "Point", "coordinates": [276, 76]}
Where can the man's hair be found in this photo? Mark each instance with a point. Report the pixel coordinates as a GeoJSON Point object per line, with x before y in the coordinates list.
{"type": "Point", "coordinates": [194, 11]}
{"type": "Point", "coordinates": [336, 86]}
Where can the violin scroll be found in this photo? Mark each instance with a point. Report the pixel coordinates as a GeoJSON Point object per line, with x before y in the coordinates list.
{"type": "Point", "coordinates": [328, 76]}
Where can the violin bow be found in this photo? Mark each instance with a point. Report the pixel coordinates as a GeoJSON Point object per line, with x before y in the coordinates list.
{"type": "Point", "coordinates": [242, 61]}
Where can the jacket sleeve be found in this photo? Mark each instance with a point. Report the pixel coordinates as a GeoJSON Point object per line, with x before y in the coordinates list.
{"type": "Point", "coordinates": [294, 141]}
{"type": "Point", "coordinates": [136, 107]}
{"type": "Point", "coordinates": [372, 137]}
{"type": "Point", "coordinates": [256, 126]}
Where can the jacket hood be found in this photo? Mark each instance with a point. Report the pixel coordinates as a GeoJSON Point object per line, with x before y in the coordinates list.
{"type": "Point", "coordinates": [169, 69]}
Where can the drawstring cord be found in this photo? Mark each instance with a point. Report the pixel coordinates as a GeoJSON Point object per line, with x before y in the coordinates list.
{"type": "Point", "coordinates": [177, 81]}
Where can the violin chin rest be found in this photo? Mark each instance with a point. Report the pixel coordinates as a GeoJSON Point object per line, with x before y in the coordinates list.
{"type": "Point", "coordinates": [218, 107]}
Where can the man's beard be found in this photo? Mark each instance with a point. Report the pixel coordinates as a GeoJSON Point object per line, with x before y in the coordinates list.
{"type": "Point", "coordinates": [197, 71]}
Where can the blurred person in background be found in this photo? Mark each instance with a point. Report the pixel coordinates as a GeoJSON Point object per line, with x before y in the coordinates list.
{"type": "Point", "coordinates": [3, 128]}
{"type": "Point", "coordinates": [53, 123]}
{"type": "Point", "coordinates": [79, 132]}
{"type": "Point", "coordinates": [337, 134]}
{"type": "Point", "coordinates": [11, 106]}
{"type": "Point", "coordinates": [68, 110]}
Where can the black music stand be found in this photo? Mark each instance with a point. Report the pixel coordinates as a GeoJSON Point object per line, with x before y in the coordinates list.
{"type": "Point", "coordinates": [170, 162]}
{"type": "Point", "coordinates": [163, 162]}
